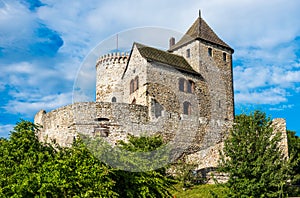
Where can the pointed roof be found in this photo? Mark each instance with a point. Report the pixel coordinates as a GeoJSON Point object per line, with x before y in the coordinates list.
{"type": "Point", "coordinates": [200, 31]}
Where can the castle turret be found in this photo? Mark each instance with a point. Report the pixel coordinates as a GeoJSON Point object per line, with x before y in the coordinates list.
{"type": "Point", "coordinates": [110, 68]}
{"type": "Point", "coordinates": [212, 58]}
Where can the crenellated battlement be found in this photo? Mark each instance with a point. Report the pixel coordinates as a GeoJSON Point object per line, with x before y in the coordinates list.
{"type": "Point", "coordinates": [113, 58]}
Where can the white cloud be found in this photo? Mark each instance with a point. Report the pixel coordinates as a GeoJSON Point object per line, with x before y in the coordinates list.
{"type": "Point", "coordinates": [5, 129]}
{"type": "Point", "coordinates": [269, 96]}
{"type": "Point", "coordinates": [260, 31]}
{"type": "Point", "coordinates": [30, 107]}
{"type": "Point", "coordinates": [16, 23]}
{"type": "Point", "coordinates": [281, 107]}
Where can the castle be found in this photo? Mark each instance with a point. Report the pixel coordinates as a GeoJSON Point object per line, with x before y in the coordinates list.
{"type": "Point", "coordinates": [184, 93]}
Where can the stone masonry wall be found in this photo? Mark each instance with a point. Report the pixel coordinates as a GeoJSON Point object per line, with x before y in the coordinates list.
{"type": "Point", "coordinates": [110, 68]}
{"type": "Point", "coordinates": [279, 126]}
{"type": "Point", "coordinates": [217, 73]}
{"type": "Point", "coordinates": [136, 68]}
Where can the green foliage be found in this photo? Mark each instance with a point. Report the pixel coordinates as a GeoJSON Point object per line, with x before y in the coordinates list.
{"type": "Point", "coordinates": [294, 154]}
{"type": "Point", "coordinates": [152, 183]}
{"type": "Point", "coordinates": [253, 158]}
{"type": "Point", "coordinates": [201, 191]}
{"type": "Point", "coordinates": [186, 175]}
{"type": "Point", "coordinates": [29, 168]}
{"type": "Point", "coordinates": [139, 154]}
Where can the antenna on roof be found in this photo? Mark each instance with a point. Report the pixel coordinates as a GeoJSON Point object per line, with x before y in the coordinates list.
{"type": "Point", "coordinates": [199, 28]}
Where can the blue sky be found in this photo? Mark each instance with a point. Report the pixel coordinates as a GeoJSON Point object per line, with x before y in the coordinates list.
{"type": "Point", "coordinates": [44, 42]}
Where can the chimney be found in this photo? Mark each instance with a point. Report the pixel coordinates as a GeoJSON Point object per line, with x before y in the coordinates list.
{"type": "Point", "coordinates": [171, 42]}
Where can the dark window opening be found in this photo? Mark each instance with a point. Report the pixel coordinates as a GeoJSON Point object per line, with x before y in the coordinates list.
{"type": "Point", "coordinates": [187, 108]}
{"type": "Point", "coordinates": [158, 108]}
{"type": "Point", "coordinates": [101, 119]}
{"type": "Point", "coordinates": [190, 86]}
{"type": "Point", "coordinates": [209, 52]}
{"type": "Point", "coordinates": [134, 84]}
{"type": "Point", "coordinates": [188, 53]}
{"type": "Point", "coordinates": [131, 86]}
{"type": "Point", "coordinates": [114, 99]}
{"type": "Point", "coordinates": [224, 56]}
{"type": "Point", "coordinates": [181, 84]}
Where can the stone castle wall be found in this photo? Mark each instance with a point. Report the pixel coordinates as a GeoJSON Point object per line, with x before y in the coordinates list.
{"type": "Point", "coordinates": [114, 121]}
{"type": "Point", "coordinates": [110, 68]}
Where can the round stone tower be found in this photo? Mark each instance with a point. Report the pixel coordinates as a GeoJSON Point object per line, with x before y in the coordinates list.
{"type": "Point", "coordinates": [110, 68]}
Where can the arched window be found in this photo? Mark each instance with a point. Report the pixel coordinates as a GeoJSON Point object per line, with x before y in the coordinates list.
{"type": "Point", "coordinates": [181, 84]}
{"type": "Point", "coordinates": [187, 110]}
{"type": "Point", "coordinates": [114, 99]}
{"type": "Point", "coordinates": [136, 83]}
{"type": "Point", "coordinates": [131, 86]}
{"type": "Point", "coordinates": [190, 86]}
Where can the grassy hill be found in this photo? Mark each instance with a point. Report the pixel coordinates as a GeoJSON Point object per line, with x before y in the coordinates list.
{"type": "Point", "coordinates": [200, 191]}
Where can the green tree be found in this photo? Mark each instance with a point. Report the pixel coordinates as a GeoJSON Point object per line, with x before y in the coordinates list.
{"type": "Point", "coordinates": [294, 154]}
{"type": "Point", "coordinates": [29, 168]}
{"type": "Point", "coordinates": [253, 159]}
{"type": "Point", "coordinates": [21, 157]}
{"type": "Point", "coordinates": [153, 183]}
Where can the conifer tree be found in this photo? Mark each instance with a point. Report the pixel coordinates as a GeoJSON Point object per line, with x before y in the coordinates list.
{"type": "Point", "coordinates": [253, 159]}
{"type": "Point", "coordinates": [294, 154]}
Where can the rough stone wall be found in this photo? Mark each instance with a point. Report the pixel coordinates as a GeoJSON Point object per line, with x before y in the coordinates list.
{"type": "Point", "coordinates": [57, 125]}
{"type": "Point", "coordinates": [217, 73]}
{"type": "Point", "coordinates": [194, 58]}
{"type": "Point", "coordinates": [109, 71]}
{"type": "Point", "coordinates": [279, 126]}
{"type": "Point", "coordinates": [136, 68]}
{"type": "Point", "coordinates": [163, 87]}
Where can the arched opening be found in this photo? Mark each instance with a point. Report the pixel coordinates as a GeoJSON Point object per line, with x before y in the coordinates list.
{"type": "Point", "coordinates": [187, 110]}
{"type": "Point", "coordinates": [181, 83]}
{"type": "Point", "coordinates": [131, 86]}
{"type": "Point", "coordinates": [190, 86]}
{"type": "Point", "coordinates": [114, 99]}
{"type": "Point", "coordinates": [136, 83]}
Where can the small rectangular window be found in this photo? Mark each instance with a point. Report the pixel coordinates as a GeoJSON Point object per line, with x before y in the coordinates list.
{"type": "Point", "coordinates": [209, 52]}
{"type": "Point", "coordinates": [188, 53]}
{"type": "Point", "coordinates": [224, 56]}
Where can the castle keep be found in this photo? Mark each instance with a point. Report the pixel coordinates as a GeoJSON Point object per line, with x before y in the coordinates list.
{"type": "Point", "coordinates": [184, 93]}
